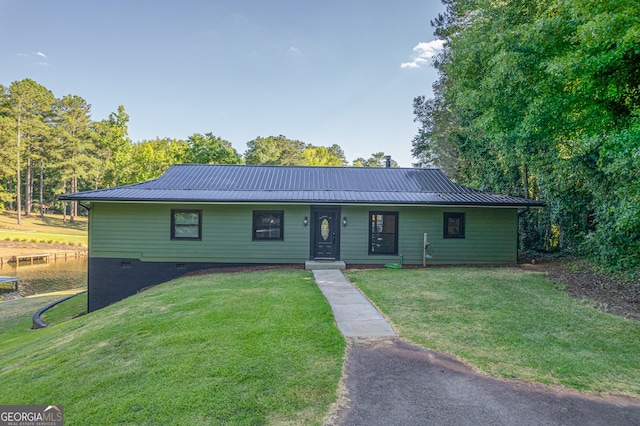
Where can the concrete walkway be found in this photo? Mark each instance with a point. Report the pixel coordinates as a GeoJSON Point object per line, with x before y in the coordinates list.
{"type": "Point", "coordinates": [392, 382]}
{"type": "Point", "coordinates": [354, 314]}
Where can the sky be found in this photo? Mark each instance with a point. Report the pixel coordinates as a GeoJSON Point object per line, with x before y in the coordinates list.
{"type": "Point", "coordinates": [322, 72]}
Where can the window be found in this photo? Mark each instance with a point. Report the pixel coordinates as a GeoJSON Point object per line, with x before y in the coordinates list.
{"type": "Point", "coordinates": [186, 224]}
{"type": "Point", "coordinates": [383, 233]}
{"type": "Point", "coordinates": [268, 225]}
{"type": "Point", "coordinates": [453, 225]}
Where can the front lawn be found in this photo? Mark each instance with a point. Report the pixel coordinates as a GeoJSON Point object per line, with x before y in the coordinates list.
{"type": "Point", "coordinates": [509, 323]}
{"type": "Point", "coordinates": [244, 348]}
{"type": "Point", "coordinates": [49, 229]}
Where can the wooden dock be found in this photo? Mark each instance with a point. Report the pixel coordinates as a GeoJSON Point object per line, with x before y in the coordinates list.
{"type": "Point", "coordinates": [68, 255]}
{"type": "Point", "coordinates": [12, 280]}
{"type": "Point", "coordinates": [30, 258]}
{"type": "Point", "coordinates": [42, 257]}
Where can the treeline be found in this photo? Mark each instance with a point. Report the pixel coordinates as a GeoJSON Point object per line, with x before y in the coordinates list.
{"type": "Point", "coordinates": [50, 146]}
{"type": "Point", "coordinates": [541, 99]}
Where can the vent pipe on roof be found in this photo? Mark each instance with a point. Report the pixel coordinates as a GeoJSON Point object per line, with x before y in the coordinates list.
{"type": "Point", "coordinates": [388, 162]}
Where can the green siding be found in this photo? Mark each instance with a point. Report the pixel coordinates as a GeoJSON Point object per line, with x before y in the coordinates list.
{"type": "Point", "coordinates": [142, 231]}
{"type": "Point", "coordinates": [491, 235]}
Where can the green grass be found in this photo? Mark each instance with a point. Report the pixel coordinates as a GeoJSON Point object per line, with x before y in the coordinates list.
{"type": "Point", "coordinates": [67, 310]}
{"type": "Point", "coordinates": [251, 348]}
{"type": "Point", "coordinates": [49, 229]}
{"type": "Point", "coordinates": [510, 323]}
{"type": "Point", "coordinates": [15, 322]}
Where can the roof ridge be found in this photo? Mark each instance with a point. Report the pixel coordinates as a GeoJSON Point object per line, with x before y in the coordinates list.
{"type": "Point", "coordinates": [283, 166]}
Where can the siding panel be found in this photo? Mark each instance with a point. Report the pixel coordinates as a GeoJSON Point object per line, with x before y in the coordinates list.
{"type": "Point", "coordinates": [142, 231]}
{"type": "Point", "coordinates": [491, 236]}
{"type": "Point", "coordinates": [119, 229]}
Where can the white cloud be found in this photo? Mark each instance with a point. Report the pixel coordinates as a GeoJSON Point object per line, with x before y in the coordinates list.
{"type": "Point", "coordinates": [423, 52]}
{"type": "Point", "coordinates": [294, 51]}
{"type": "Point", "coordinates": [35, 58]}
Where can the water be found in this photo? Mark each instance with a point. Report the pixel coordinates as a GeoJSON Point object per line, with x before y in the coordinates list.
{"type": "Point", "coordinates": [44, 277]}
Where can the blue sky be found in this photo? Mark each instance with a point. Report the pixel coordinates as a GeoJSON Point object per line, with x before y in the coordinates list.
{"type": "Point", "coordinates": [322, 72]}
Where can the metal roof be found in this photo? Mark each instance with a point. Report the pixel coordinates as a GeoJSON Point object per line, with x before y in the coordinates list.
{"type": "Point", "coordinates": [244, 183]}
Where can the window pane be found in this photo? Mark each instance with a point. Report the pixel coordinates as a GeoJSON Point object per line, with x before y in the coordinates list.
{"type": "Point", "coordinates": [187, 218]}
{"type": "Point", "coordinates": [268, 225]}
{"type": "Point", "coordinates": [383, 234]}
{"type": "Point", "coordinates": [182, 231]}
{"type": "Point", "coordinates": [389, 224]}
{"type": "Point", "coordinates": [453, 225]}
{"type": "Point", "coordinates": [383, 243]}
{"type": "Point", "coordinates": [185, 224]}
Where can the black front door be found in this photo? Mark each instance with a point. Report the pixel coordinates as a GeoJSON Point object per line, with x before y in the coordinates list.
{"type": "Point", "coordinates": [325, 233]}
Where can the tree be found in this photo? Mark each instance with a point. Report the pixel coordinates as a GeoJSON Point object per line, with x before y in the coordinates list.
{"type": "Point", "coordinates": [438, 134]}
{"type": "Point", "coordinates": [7, 147]}
{"type": "Point", "coordinates": [114, 146]}
{"type": "Point", "coordinates": [542, 99]}
{"type": "Point", "coordinates": [602, 69]}
{"type": "Point", "coordinates": [73, 127]}
{"type": "Point", "coordinates": [152, 158]}
{"type": "Point", "coordinates": [209, 149]}
{"type": "Point", "coordinates": [46, 152]}
{"type": "Point", "coordinates": [26, 107]}
{"type": "Point", "coordinates": [323, 156]}
{"type": "Point", "coordinates": [378, 159]}
{"type": "Point", "coordinates": [275, 150]}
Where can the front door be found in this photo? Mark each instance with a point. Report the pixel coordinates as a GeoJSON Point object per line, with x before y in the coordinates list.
{"type": "Point", "coordinates": [325, 232]}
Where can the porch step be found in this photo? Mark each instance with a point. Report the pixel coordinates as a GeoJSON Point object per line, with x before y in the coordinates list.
{"type": "Point", "coordinates": [324, 264]}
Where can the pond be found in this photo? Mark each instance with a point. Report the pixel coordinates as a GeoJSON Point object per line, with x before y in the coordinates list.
{"type": "Point", "coordinates": [44, 277]}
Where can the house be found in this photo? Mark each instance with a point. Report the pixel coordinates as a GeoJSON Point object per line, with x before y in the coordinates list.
{"type": "Point", "coordinates": [206, 216]}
